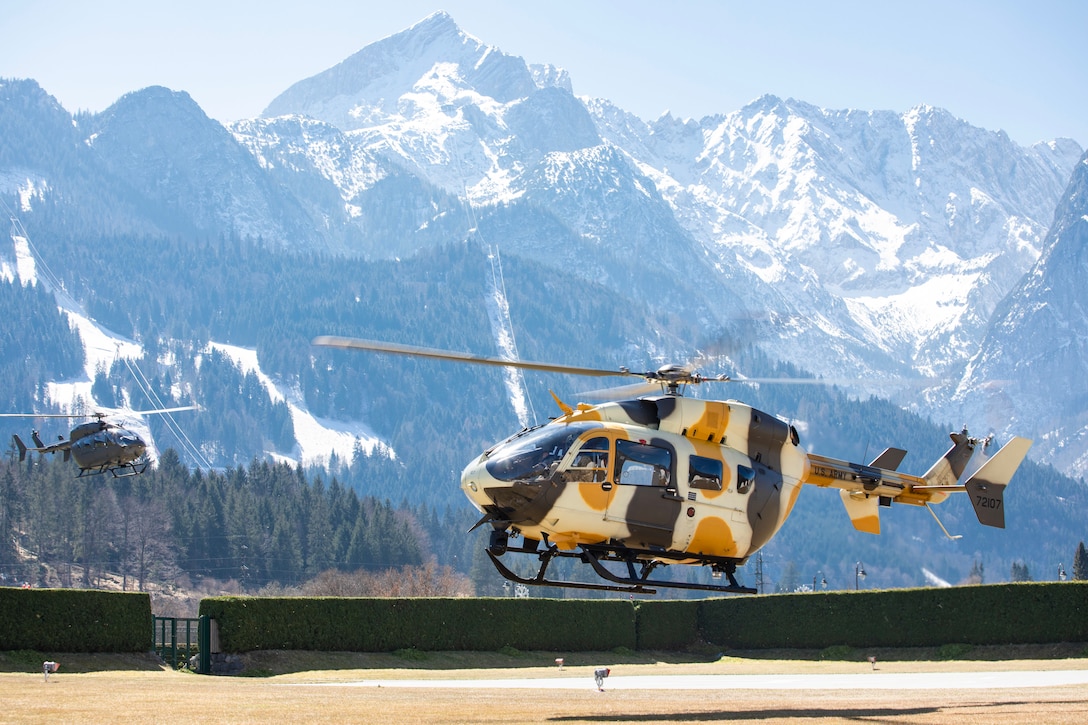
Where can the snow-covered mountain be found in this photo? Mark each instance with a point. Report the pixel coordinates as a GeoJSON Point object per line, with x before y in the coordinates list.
{"type": "Point", "coordinates": [1030, 368]}
{"type": "Point", "coordinates": [869, 245]}
{"type": "Point", "coordinates": [890, 237]}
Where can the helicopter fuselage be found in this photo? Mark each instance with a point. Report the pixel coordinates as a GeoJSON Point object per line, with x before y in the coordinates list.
{"type": "Point", "coordinates": [675, 479]}
{"type": "Point", "coordinates": [672, 480]}
{"type": "Point", "coordinates": [107, 450]}
{"type": "Point", "coordinates": [96, 447]}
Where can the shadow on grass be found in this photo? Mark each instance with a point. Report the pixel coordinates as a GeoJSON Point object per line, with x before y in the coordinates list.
{"type": "Point", "coordinates": [863, 713]}
{"type": "Point", "coordinates": [77, 662]}
{"type": "Point", "coordinates": [944, 653]}
{"type": "Point", "coordinates": [807, 713]}
{"type": "Point", "coordinates": [282, 662]}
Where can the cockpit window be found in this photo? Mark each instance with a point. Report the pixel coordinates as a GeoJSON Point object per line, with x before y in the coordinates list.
{"type": "Point", "coordinates": [535, 455]}
{"type": "Point", "coordinates": [590, 464]}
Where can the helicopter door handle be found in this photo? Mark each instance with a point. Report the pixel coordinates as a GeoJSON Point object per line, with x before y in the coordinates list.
{"type": "Point", "coordinates": [606, 486]}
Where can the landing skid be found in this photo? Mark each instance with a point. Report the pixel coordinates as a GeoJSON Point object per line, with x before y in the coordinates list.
{"type": "Point", "coordinates": [636, 582]}
{"type": "Point", "coordinates": [123, 471]}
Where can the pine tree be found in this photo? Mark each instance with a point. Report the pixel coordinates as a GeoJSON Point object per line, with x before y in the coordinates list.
{"type": "Point", "coordinates": [1080, 563]}
{"type": "Point", "coordinates": [976, 575]}
{"type": "Point", "coordinates": [790, 578]}
{"type": "Point", "coordinates": [1020, 572]}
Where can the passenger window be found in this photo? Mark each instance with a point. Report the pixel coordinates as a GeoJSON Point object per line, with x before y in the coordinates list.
{"type": "Point", "coordinates": [705, 473]}
{"type": "Point", "coordinates": [745, 478]}
{"type": "Point", "coordinates": [640, 464]}
{"type": "Point", "coordinates": [590, 464]}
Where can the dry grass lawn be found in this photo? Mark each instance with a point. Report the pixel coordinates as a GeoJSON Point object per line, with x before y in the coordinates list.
{"type": "Point", "coordinates": [122, 689]}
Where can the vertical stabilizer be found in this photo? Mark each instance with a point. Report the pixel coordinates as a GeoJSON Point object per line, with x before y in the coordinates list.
{"type": "Point", "coordinates": [987, 486]}
{"type": "Point", "coordinates": [862, 510]}
{"type": "Point", "coordinates": [21, 446]}
{"type": "Point", "coordinates": [948, 469]}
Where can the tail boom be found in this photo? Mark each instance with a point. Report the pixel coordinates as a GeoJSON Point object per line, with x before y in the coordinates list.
{"type": "Point", "coordinates": [864, 488]}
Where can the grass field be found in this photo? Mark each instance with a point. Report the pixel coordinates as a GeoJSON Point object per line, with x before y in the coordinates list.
{"type": "Point", "coordinates": [135, 688]}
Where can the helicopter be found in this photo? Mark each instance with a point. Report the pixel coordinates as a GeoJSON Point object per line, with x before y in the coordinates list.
{"type": "Point", "coordinates": [662, 479]}
{"type": "Point", "coordinates": [96, 446]}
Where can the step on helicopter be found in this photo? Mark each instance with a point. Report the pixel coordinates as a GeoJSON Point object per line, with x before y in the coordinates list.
{"type": "Point", "coordinates": [662, 479]}
{"type": "Point", "coordinates": [96, 446]}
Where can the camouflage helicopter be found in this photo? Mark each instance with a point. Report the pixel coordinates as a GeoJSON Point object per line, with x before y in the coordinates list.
{"type": "Point", "coordinates": [664, 479]}
{"type": "Point", "coordinates": [96, 446]}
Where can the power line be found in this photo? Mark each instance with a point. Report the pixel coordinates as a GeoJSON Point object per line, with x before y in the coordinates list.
{"type": "Point", "coordinates": [515, 376]}
{"type": "Point", "coordinates": [55, 285]}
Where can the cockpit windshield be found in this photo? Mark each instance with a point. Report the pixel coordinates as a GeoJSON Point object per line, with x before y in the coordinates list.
{"type": "Point", "coordinates": [536, 454]}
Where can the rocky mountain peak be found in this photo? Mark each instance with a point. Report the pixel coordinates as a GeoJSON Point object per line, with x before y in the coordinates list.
{"type": "Point", "coordinates": [1037, 344]}
{"type": "Point", "coordinates": [433, 56]}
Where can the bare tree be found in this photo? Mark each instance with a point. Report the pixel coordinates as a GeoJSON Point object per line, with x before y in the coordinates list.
{"type": "Point", "coordinates": [99, 518]}
{"type": "Point", "coordinates": [148, 533]}
{"type": "Point", "coordinates": [425, 580]}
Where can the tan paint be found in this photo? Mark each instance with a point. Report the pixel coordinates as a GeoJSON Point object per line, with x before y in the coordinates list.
{"type": "Point", "coordinates": [570, 540]}
{"type": "Point", "coordinates": [795, 491]}
{"type": "Point", "coordinates": [595, 496]}
{"type": "Point", "coordinates": [584, 412]}
{"type": "Point", "coordinates": [712, 424]}
{"type": "Point", "coordinates": [713, 537]}
{"type": "Point", "coordinates": [867, 524]}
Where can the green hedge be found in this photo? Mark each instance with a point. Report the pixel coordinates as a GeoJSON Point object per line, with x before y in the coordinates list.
{"type": "Point", "coordinates": [1025, 613]}
{"type": "Point", "coordinates": [667, 624]}
{"type": "Point", "coordinates": [74, 620]}
{"type": "Point", "coordinates": [386, 625]}
{"type": "Point", "coordinates": [1029, 613]}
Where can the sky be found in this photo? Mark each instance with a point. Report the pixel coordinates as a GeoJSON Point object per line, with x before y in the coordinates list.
{"type": "Point", "coordinates": [1006, 65]}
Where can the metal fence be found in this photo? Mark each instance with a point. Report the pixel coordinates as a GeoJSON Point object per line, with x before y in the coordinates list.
{"type": "Point", "coordinates": [178, 639]}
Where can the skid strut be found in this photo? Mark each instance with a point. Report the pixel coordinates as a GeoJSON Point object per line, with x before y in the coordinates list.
{"type": "Point", "coordinates": [637, 580]}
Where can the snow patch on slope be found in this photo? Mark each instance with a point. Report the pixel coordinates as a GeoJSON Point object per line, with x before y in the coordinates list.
{"type": "Point", "coordinates": [101, 349]}
{"type": "Point", "coordinates": [498, 313]}
{"type": "Point", "coordinates": [318, 438]}
{"type": "Point", "coordinates": [25, 267]}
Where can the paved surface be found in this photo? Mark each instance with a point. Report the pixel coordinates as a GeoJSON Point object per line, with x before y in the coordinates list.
{"type": "Point", "coordinates": [866, 681]}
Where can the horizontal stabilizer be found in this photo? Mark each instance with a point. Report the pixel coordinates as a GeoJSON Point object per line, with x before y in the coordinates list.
{"type": "Point", "coordinates": [889, 459]}
{"type": "Point", "coordinates": [862, 510]}
{"type": "Point", "coordinates": [987, 486]}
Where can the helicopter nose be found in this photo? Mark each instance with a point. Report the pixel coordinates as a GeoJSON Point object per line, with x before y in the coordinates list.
{"type": "Point", "coordinates": [474, 479]}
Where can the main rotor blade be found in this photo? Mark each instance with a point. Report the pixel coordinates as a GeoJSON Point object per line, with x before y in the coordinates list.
{"type": "Point", "coordinates": [622, 392]}
{"type": "Point", "coordinates": [160, 410]}
{"type": "Point", "coordinates": [44, 415]}
{"type": "Point", "coordinates": [354, 343]}
{"type": "Point", "coordinates": [100, 413]}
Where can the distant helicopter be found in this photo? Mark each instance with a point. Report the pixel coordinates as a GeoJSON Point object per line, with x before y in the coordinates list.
{"type": "Point", "coordinates": [663, 479]}
{"type": "Point", "coordinates": [97, 446]}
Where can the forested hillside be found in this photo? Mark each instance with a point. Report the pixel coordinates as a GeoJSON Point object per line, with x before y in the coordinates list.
{"type": "Point", "coordinates": [180, 294]}
{"type": "Point", "coordinates": [52, 351]}
{"type": "Point", "coordinates": [255, 526]}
